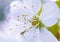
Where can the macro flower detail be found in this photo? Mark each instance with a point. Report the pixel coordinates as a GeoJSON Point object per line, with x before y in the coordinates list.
{"type": "Point", "coordinates": [28, 20]}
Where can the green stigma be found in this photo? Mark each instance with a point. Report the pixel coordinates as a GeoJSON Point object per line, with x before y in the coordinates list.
{"type": "Point", "coordinates": [36, 22]}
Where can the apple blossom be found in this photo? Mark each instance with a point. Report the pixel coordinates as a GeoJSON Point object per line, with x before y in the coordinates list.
{"type": "Point", "coordinates": [21, 16]}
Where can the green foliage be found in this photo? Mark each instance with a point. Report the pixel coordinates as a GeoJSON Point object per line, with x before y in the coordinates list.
{"type": "Point", "coordinates": [54, 29]}
{"type": "Point", "coordinates": [58, 3]}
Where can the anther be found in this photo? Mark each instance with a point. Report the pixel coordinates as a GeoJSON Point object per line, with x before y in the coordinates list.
{"type": "Point", "coordinates": [24, 7]}
{"type": "Point", "coordinates": [32, 6]}
{"type": "Point", "coordinates": [22, 33]}
{"type": "Point", "coordinates": [9, 17]}
{"type": "Point", "coordinates": [16, 25]}
{"type": "Point", "coordinates": [14, 5]}
{"type": "Point", "coordinates": [10, 29]}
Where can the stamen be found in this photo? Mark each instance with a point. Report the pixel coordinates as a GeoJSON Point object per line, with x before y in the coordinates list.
{"type": "Point", "coordinates": [26, 30]}
{"type": "Point", "coordinates": [24, 18]}
{"type": "Point", "coordinates": [24, 26]}
{"type": "Point", "coordinates": [24, 7]}
{"type": "Point", "coordinates": [14, 5]}
{"type": "Point", "coordinates": [9, 17]}
{"type": "Point", "coordinates": [29, 21]}
{"type": "Point", "coordinates": [22, 33]}
{"type": "Point", "coordinates": [32, 6]}
{"type": "Point", "coordinates": [25, 23]}
{"type": "Point", "coordinates": [10, 29]}
{"type": "Point", "coordinates": [24, 15]}
{"type": "Point", "coordinates": [18, 18]}
{"type": "Point", "coordinates": [30, 28]}
{"type": "Point", "coordinates": [16, 25]}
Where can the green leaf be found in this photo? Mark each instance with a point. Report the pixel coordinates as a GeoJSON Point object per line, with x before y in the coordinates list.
{"type": "Point", "coordinates": [58, 35]}
{"type": "Point", "coordinates": [54, 29]}
{"type": "Point", "coordinates": [58, 3]}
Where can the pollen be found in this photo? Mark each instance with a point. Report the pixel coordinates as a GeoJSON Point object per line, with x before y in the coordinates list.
{"type": "Point", "coordinates": [10, 29]}
{"type": "Point", "coordinates": [24, 18]}
{"type": "Point", "coordinates": [9, 17]}
{"type": "Point", "coordinates": [24, 7]}
{"type": "Point", "coordinates": [18, 18]}
{"type": "Point", "coordinates": [24, 15]}
{"type": "Point", "coordinates": [14, 5]}
{"type": "Point", "coordinates": [32, 6]}
{"type": "Point", "coordinates": [16, 25]}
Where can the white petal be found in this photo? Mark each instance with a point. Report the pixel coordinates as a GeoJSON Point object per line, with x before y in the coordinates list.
{"type": "Point", "coordinates": [49, 14]}
{"type": "Point", "coordinates": [33, 5]}
{"type": "Point", "coordinates": [19, 12]}
{"type": "Point", "coordinates": [50, 21]}
{"type": "Point", "coordinates": [15, 4]}
{"type": "Point", "coordinates": [30, 36]}
{"type": "Point", "coordinates": [46, 36]}
{"type": "Point", "coordinates": [14, 34]}
{"type": "Point", "coordinates": [48, 1]}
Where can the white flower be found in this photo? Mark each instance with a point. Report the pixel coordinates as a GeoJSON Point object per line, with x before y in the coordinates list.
{"type": "Point", "coordinates": [19, 27]}
{"type": "Point", "coordinates": [49, 15]}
